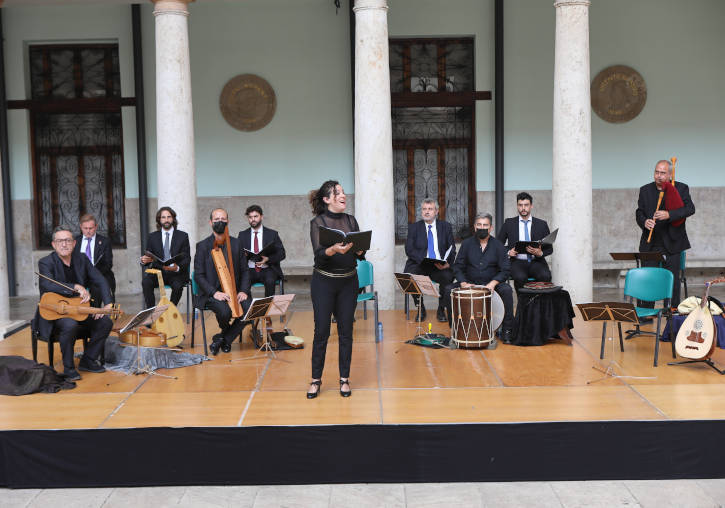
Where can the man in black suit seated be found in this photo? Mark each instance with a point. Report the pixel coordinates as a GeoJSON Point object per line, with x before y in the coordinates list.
{"type": "Point", "coordinates": [98, 250]}
{"type": "Point", "coordinates": [255, 238]}
{"type": "Point", "coordinates": [483, 261]}
{"type": "Point", "coordinates": [525, 227]}
{"type": "Point", "coordinates": [431, 238]}
{"type": "Point", "coordinates": [166, 243]}
{"type": "Point", "coordinates": [667, 238]}
{"type": "Point", "coordinates": [210, 289]}
{"type": "Point", "coordinates": [67, 266]}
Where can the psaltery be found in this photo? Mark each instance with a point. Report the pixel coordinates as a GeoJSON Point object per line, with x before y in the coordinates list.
{"type": "Point", "coordinates": [225, 271]}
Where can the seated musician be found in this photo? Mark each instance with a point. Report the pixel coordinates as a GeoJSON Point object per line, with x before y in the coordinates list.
{"type": "Point", "coordinates": [98, 249]}
{"type": "Point", "coordinates": [210, 287]}
{"type": "Point", "coordinates": [255, 238]}
{"type": "Point", "coordinates": [73, 269]}
{"type": "Point", "coordinates": [482, 260]}
{"type": "Point", "coordinates": [525, 227]}
{"type": "Point", "coordinates": [431, 238]}
{"type": "Point", "coordinates": [166, 243]}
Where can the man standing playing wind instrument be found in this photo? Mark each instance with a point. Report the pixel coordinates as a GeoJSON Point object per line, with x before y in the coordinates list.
{"type": "Point", "coordinates": [661, 213]}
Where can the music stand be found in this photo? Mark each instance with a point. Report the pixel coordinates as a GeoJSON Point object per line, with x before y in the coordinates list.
{"type": "Point", "coordinates": [420, 285]}
{"type": "Point", "coordinates": [620, 312]}
{"type": "Point", "coordinates": [143, 318]}
{"type": "Point", "coordinates": [262, 308]}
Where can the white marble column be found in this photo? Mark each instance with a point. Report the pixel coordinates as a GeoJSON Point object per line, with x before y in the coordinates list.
{"type": "Point", "coordinates": [373, 142]}
{"type": "Point", "coordinates": [572, 151]}
{"type": "Point", "coordinates": [175, 159]}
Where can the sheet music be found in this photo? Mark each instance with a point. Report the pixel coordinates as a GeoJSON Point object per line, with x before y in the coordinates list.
{"type": "Point", "coordinates": [425, 285]}
{"type": "Point", "coordinates": [280, 304]}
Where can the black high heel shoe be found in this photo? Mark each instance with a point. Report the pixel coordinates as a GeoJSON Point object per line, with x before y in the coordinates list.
{"type": "Point", "coordinates": [312, 395]}
{"type": "Point", "coordinates": [345, 382]}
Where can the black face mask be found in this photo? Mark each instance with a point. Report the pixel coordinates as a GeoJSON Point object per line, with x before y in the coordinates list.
{"type": "Point", "coordinates": [219, 227]}
{"type": "Point", "coordinates": [481, 234]}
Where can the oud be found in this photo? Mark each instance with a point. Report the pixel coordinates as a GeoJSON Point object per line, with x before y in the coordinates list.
{"type": "Point", "coordinates": [697, 336]}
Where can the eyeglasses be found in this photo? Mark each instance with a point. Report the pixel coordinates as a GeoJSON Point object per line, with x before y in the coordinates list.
{"type": "Point", "coordinates": [64, 241]}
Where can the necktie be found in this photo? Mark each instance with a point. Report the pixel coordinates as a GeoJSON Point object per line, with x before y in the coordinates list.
{"type": "Point", "coordinates": [256, 249]}
{"type": "Point", "coordinates": [527, 238]}
{"type": "Point", "coordinates": [167, 251]}
{"type": "Point", "coordinates": [431, 245]}
{"type": "Point", "coordinates": [88, 249]}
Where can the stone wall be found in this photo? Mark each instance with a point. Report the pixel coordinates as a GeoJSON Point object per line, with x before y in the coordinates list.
{"type": "Point", "coordinates": [615, 230]}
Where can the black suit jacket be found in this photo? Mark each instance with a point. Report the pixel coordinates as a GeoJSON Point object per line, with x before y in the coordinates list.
{"type": "Point", "coordinates": [674, 238]}
{"type": "Point", "coordinates": [86, 275]}
{"type": "Point", "coordinates": [270, 236]}
{"type": "Point", "coordinates": [205, 272]}
{"type": "Point", "coordinates": [179, 245]}
{"type": "Point", "coordinates": [416, 245]}
{"type": "Point", "coordinates": [103, 254]}
{"type": "Point", "coordinates": [509, 235]}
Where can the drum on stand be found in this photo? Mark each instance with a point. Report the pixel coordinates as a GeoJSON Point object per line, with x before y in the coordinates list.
{"type": "Point", "coordinates": [471, 324]}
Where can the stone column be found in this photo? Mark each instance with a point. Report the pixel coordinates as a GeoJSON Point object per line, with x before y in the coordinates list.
{"type": "Point", "coordinates": [175, 159]}
{"type": "Point", "coordinates": [572, 151]}
{"type": "Point", "coordinates": [4, 289]}
{"type": "Point", "coordinates": [373, 142]}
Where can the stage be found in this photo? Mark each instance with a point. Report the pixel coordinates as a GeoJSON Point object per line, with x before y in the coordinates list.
{"type": "Point", "coordinates": [497, 414]}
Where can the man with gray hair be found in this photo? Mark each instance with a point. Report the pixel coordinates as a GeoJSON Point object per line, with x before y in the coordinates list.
{"type": "Point", "coordinates": [667, 222]}
{"type": "Point", "coordinates": [432, 239]}
{"type": "Point", "coordinates": [484, 261]}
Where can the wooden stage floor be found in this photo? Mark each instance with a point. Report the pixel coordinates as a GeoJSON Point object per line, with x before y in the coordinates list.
{"type": "Point", "coordinates": [393, 383]}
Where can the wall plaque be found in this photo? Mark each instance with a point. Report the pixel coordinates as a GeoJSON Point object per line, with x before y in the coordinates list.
{"type": "Point", "coordinates": [247, 102]}
{"type": "Point", "coordinates": [618, 94]}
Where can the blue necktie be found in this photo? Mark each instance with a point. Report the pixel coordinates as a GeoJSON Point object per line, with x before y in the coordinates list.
{"type": "Point", "coordinates": [431, 246]}
{"type": "Point", "coordinates": [527, 238]}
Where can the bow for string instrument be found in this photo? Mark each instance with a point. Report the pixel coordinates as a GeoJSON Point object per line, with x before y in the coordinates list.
{"type": "Point", "coordinates": [225, 271]}
{"type": "Point", "coordinates": [54, 306]}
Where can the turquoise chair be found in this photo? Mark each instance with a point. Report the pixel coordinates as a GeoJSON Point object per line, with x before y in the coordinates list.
{"type": "Point", "coordinates": [365, 278]}
{"type": "Point", "coordinates": [652, 285]}
{"type": "Point", "coordinates": [683, 265]}
{"type": "Point", "coordinates": [195, 291]}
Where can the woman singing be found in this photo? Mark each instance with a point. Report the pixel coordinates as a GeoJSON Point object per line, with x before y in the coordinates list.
{"type": "Point", "coordinates": [334, 286]}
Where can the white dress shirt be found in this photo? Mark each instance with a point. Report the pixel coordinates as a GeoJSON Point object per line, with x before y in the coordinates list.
{"type": "Point", "coordinates": [435, 238]}
{"type": "Point", "coordinates": [260, 239]}
{"type": "Point", "coordinates": [84, 245]}
{"type": "Point", "coordinates": [524, 223]}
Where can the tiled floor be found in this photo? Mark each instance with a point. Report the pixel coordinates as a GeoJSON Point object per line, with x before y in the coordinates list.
{"type": "Point", "coordinates": [606, 494]}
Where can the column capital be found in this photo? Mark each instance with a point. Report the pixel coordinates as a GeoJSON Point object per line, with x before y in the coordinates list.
{"type": "Point", "coordinates": [571, 3]}
{"type": "Point", "coordinates": [365, 5]}
{"type": "Point", "coordinates": [179, 7]}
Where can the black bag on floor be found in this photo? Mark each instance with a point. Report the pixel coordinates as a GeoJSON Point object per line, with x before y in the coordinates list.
{"type": "Point", "coordinates": [20, 376]}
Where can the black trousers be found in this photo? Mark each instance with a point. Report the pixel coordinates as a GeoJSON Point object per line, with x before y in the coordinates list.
{"type": "Point", "coordinates": [521, 270]}
{"type": "Point", "coordinates": [266, 276]}
{"type": "Point", "coordinates": [223, 313]}
{"type": "Point", "coordinates": [174, 279]}
{"type": "Point", "coordinates": [444, 278]}
{"type": "Point", "coordinates": [330, 295]}
{"type": "Point", "coordinates": [671, 263]}
{"type": "Point", "coordinates": [68, 330]}
{"type": "Point", "coordinates": [97, 295]}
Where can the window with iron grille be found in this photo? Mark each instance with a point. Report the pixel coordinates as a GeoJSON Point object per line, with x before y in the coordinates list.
{"type": "Point", "coordinates": [77, 140]}
{"type": "Point", "coordinates": [433, 113]}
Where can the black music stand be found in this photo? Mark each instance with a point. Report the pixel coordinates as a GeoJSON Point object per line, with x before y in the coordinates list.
{"type": "Point", "coordinates": [413, 284]}
{"type": "Point", "coordinates": [260, 309]}
{"type": "Point", "coordinates": [604, 312]}
{"type": "Point", "coordinates": [143, 318]}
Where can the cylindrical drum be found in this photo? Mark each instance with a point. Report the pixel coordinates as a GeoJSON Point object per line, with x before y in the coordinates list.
{"type": "Point", "coordinates": [471, 317]}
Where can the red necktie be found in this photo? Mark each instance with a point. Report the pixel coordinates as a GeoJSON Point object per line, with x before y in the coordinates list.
{"type": "Point", "coordinates": [256, 249]}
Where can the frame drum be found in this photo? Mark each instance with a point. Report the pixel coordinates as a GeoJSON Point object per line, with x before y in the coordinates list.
{"type": "Point", "coordinates": [471, 325]}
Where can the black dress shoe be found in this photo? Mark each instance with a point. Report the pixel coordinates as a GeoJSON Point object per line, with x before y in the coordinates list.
{"type": "Point", "coordinates": [216, 344]}
{"type": "Point", "coordinates": [88, 365]}
{"type": "Point", "coordinates": [312, 395]}
{"type": "Point", "coordinates": [71, 374]}
{"type": "Point", "coordinates": [226, 347]}
{"type": "Point", "coordinates": [506, 336]}
{"type": "Point", "coordinates": [348, 392]}
{"type": "Point", "coordinates": [441, 315]}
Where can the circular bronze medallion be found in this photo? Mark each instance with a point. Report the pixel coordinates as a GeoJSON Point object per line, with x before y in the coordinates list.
{"type": "Point", "coordinates": [247, 102]}
{"type": "Point", "coordinates": [618, 94]}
